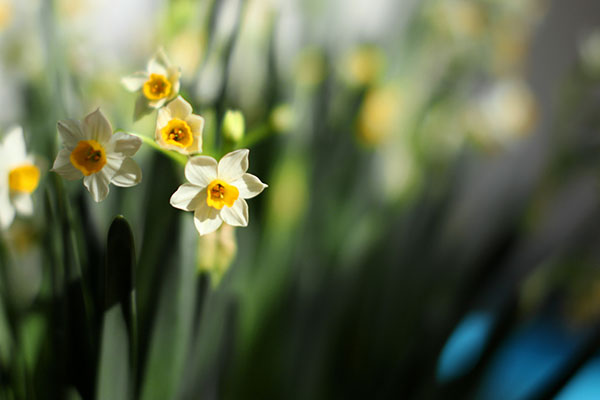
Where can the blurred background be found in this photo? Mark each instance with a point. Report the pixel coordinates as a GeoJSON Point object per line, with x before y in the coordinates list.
{"type": "Point", "coordinates": [430, 229]}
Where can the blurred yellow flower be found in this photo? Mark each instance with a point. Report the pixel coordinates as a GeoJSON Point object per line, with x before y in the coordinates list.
{"type": "Point", "coordinates": [93, 152]}
{"type": "Point", "coordinates": [463, 19]}
{"type": "Point", "coordinates": [310, 67]}
{"type": "Point", "coordinates": [157, 85]}
{"type": "Point", "coordinates": [19, 177]}
{"type": "Point", "coordinates": [362, 65]}
{"type": "Point", "coordinates": [379, 114]}
{"type": "Point", "coordinates": [6, 14]}
{"type": "Point", "coordinates": [178, 129]}
{"type": "Point", "coordinates": [217, 191]}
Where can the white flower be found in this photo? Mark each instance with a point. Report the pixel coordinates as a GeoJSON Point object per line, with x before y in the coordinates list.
{"type": "Point", "coordinates": [92, 151]}
{"type": "Point", "coordinates": [18, 177]}
{"type": "Point", "coordinates": [217, 192]}
{"type": "Point", "coordinates": [158, 84]}
{"type": "Point", "coordinates": [178, 129]}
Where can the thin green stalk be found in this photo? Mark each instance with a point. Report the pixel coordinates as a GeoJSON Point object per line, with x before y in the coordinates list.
{"type": "Point", "coordinates": [181, 159]}
{"type": "Point", "coordinates": [255, 136]}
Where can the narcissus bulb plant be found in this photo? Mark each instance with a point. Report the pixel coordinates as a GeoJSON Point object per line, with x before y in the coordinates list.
{"type": "Point", "coordinates": [217, 192]}
{"type": "Point", "coordinates": [93, 152]}
{"type": "Point", "coordinates": [158, 84]}
{"type": "Point", "coordinates": [19, 177]}
{"type": "Point", "coordinates": [178, 129]}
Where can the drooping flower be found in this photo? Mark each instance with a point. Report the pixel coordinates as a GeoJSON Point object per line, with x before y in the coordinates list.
{"type": "Point", "coordinates": [93, 152]}
{"type": "Point", "coordinates": [216, 192]}
{"type": "Point", "coordinates": [19, 177]}
{"type": "Point", "coordinates": [157, 85]}
{"type": "Point", "coordinates": [178, 129]}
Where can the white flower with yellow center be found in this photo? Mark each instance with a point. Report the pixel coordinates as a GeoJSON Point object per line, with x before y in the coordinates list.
{"type": "Point", "coordinates": [217, 192]}
{"type": "Point", "coordinates": [18, 178]}
{"type": "Point", "coordinates": [92, 151]}
{"type": "Point", "coordinates": [178, 129]}
{"type": "Point", "coordinates": [158, 84]}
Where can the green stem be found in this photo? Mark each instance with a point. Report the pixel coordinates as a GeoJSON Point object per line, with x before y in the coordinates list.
{"type": "Point", "coordinates": [255, 136]}
{"type": "Point", "coordinates": [181, 159]}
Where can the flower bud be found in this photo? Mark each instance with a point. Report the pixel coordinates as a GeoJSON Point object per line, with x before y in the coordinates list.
{"type": "Point", "coordinates": [233, 126]}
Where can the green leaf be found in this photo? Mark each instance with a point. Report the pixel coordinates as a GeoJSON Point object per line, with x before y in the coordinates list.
{"type": "Point", "coordinates": [171, 333]}
{"type": "Point", "coordinates": [119, 278]}
{"type": "Point", "coordinates": [114, 370]}
{"type": "Point", "coordinates": [119, 268]}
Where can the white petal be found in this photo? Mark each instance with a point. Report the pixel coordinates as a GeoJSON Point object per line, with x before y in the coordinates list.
{"type": "Point", "coordinates": [249, 186]}
{"type": "Point", "coordinates": [157, 103]}
{"type": "Point", "coordinates": [114, 161]}
{"type": "Point", "coordinates": [233, 165]}
{"type": "Point", "coordinates": [70, 132]}
{"type": "Point", "coordinates": [14, 146]}
{"type": "Point", "coordinates": [7, 211]}
{"type": "Point", "coordinates": [97, 184]}
{"type": "Point", "coordinates": [207, 219]}
{"type": "Point", "coordinates": [97, 127]}
{"type": "Point", "coordinates": [23, 203]}
{"type": "Point", "coordinates": [135, 81]}
{"type": "Point", "coordinates": [196, 124]}
{"type": "Point", "coordinates": [236, 215]}
{"type": "Point", "coordinates": [63, 167]}
{"type": "Point", "coordinates": [159, 63]}
{"type": "Point", "coordinates": [180, 108]}
{"type": "Point", "coordinates": [163, 118]}
{"type": "Point", "coordinates": [125, 143]}
{"type": "Point", "coordinates": [128, 175]}
{"type": "Point", "coordinates": [188, 197]}
{"type": "Point", "coordinates": [201, 170]}
{"type": "Point", "coordinates": [173, 75]}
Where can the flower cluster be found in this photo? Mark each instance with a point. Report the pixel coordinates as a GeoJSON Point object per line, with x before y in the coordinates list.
{"type": "Point", "coordinates": [216, 191]}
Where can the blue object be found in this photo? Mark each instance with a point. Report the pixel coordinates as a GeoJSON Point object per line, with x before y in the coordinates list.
{"type": "Point", "coordinates": [464, 346]}
{"type": "Point", "coordinates": [530, 357]}
{"type": "Point", "coordinates": [585, 385]}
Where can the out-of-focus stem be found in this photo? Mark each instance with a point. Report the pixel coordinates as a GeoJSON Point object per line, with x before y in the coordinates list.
{"type": "Point", "coordinates": [181, 159]}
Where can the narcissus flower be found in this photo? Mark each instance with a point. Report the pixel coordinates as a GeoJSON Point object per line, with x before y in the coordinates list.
{"type": "Point", "coordinates": [18, 177]}
{"type": "Point", "coordinates": [92, 151]}
{"type": "Point", "coordinates": [158, 84]}
{"type": "Point", "coordinates": [178, 129]}
{"type": "Point", "coordinates": [217, 191]}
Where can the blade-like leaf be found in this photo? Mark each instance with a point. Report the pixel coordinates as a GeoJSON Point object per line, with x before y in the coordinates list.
{"type": "Point", "coordinates": [172, 328]}
{"type": "Point", "coordinates": [114, 371]}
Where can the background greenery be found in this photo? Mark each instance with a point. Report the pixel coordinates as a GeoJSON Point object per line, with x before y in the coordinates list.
{"type": "Point", "coordinates": [429, 231]}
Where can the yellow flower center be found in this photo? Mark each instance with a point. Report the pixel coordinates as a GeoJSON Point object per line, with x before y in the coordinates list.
{"type": "Point", "coordinates": [24, 178]}
{"type": "Point", "coordinates": [178, 133]}
{"type": "Point", "coordinates": [156, 87]}
{"type": "Point", "coordinates": [88, 157]}
{"type": "Point", "coordinates": [219, 193]}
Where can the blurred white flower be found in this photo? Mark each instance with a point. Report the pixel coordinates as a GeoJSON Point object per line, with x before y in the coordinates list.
{"type": "Point", "coordinates": [19, 177]}
{"type": "Point", "coordinates": [157, 85]}
{"type": "Point", "coordinates": [589, 51]}
{"type": "Point", "coordinates": [93, 152]}
{"type": "Point", "coordinates": [217, 192]}
{"type": "Point", "coordinates": [178, 129]}
{"type": "Point", "coordinates": [507, 111]}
